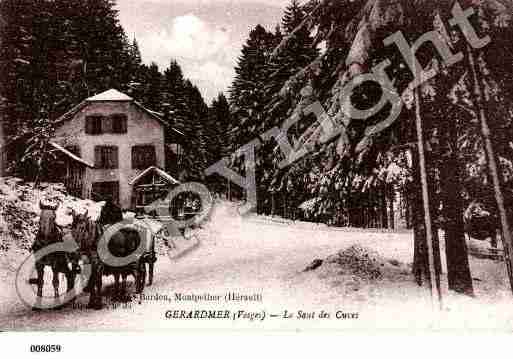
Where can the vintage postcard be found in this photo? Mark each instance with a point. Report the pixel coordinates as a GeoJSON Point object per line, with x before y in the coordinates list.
{"type": "Point", "coordinates": [263, 165]}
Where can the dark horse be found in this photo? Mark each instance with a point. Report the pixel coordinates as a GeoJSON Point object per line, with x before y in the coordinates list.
{"type": "Point", "coordinates": [87, 233]}
{"type": "Point", "coordinates": [60, 262]}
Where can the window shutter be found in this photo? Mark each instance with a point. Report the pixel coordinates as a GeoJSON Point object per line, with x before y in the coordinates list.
{"type": "Point", "coordinates": [143, 157]}
{"type": "Point", "coordinates": [98, 125]}
{"type": "Point", "coordinates": [119, 123]}
{"type": "Point", "coordinates": [106, 157]}
{"type": "Point", "coordinates": [124, 124]}
{"type": "Point", "coordinates": [98, 163]}
{"type": "Point", "coordinates": [134, 157]}
{"type": "Point", "coordinates": [114, 158]}
{"type": "Point", "coordinates": [94, 125]}
{"type": "Point", "coordinates": [89, 125]}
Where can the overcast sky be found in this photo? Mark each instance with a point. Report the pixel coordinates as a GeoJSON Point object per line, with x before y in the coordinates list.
{"type": "Point", "coordinates": [204, 36]}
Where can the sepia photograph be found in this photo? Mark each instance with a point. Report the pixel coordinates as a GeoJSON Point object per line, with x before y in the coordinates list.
{"type": "Point", "coordinates": [257, 166]}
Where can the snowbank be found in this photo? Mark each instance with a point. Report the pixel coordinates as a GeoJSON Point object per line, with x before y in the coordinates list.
{"type": "Point", "coordinates": [357, 265]}
{"type": "Point", "coordinates": [19, 210]}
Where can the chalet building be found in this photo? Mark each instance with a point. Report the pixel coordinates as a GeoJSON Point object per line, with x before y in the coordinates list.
{"type": "Point", "coordinates": [114, 148]}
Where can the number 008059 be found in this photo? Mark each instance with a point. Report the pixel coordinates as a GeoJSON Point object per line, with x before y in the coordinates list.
{"type": "Point", "coordinates": [49, 348]}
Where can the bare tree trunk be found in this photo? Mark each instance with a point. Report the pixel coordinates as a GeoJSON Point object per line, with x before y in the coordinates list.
{"type": "Point", "coordinates": [407, 210]}
{"type": "Point", "coordinates": [493, 167]}
{"type": "Point", "coordinates": [426, 199]}
{"type": "Point", "coordinates": [421, 266]}
{"type": "Point", "coordinates": [391, 212]}
{"type": "Point", "coordinates": [420, 261]}
{"type": "Point", "coordinates": [285, 211]}
{"type": "Point", "coordinates": [384, 207]}
{"type": "Point", "coordinates": [458, 270]}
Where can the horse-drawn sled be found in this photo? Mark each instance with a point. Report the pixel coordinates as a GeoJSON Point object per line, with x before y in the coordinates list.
{"type": "Point", "coordinates": [108, 246]}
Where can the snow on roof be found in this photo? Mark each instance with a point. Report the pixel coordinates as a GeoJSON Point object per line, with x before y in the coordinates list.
{"type": "Point", "coordinates": [71, 113]}
{"type": "Point", "coordinates": [160, 114]}
{"type": "Point", "coordinates": [110, 95]}
{"type": "Point", "coordinates": [177, 131]}
{"type": "Point", "coordinates": [148, 111]}
{"type": "Point", "coordinates": [157, 115]}
{"type": "Point", "coordinates": [71, 155]}
{"type": "Point", "coordinates": [160, 172]}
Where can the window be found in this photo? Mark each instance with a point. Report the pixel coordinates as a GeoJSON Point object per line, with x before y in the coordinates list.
{"type": "Point", "coordinates": [94, 125]}
{"type": "Point", "coordinates": [107, 125]}
{"type": "Point", "coordinates": [106, 157]}
{"type": "Point", "coordinates": [98, 124]}
{"type": "Point", "coordinates": [103, 191]}
{"type": "Point", "coordinates": [119, 123]}
{"type": "Point", "coordinates": [143, 157]}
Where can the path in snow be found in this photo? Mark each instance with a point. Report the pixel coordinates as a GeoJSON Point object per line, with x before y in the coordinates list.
{"type": "Point", "coordinates": [260, 255]}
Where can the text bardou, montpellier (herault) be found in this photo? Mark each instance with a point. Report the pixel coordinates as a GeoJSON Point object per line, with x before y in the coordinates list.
{"type": "Point", "coordinates": [205, 297]}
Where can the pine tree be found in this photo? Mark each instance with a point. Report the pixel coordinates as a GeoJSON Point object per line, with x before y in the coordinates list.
{"type": "Point", "coordinates": [38, 155]}
{"type": "Point", "coordinates": [339, 175]}
{"type": "Point", "coordinates": [490, 93]}
{"type": "Point", "coordinates": [247, 93]}
{"type": "Point", "coordinates": [217, 126]}
{"type": "Point", "coordinates": [135, 53]}
{"type": "Point", "coordinates": [175, 107]}
{"type": "Point", "coordinates": [152, 87]}
{"type": "Point", "coordinates": [58, 52]}
{"type": "Point", "coordinates": [196, 132]}
{"type": "Point", "coordinates": [280, 97]}
{"type": "Point", "coordinates": [293, 57]}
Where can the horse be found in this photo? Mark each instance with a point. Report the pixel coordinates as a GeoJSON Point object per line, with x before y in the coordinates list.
{"type": "Point", "coordinates": [49, 233]}
{"type": "Point", "coordinates": [87, 234]}
{"type": "Point", "coordinates": [124, 242]}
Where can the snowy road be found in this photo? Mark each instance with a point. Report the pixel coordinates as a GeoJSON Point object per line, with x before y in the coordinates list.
{"type": "Point", "coordinates": [266, 257]}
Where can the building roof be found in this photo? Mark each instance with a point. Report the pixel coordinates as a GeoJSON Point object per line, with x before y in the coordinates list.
{"type": "Point", "coordinates": [71, 155]}
{"type": "Point", "coordinates": [157, 170]}
{"type": "Point", "coordinates": [110, 95]}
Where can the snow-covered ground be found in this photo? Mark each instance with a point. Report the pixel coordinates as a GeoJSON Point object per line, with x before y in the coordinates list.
{"type": "Point", "coordinates": [20, 209]}
{"type": "Point", "coordinates": [266, 256]}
